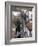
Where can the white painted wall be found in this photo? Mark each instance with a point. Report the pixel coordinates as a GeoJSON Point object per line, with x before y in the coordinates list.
{"type": "Point", "coordinates": [2, 23]}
